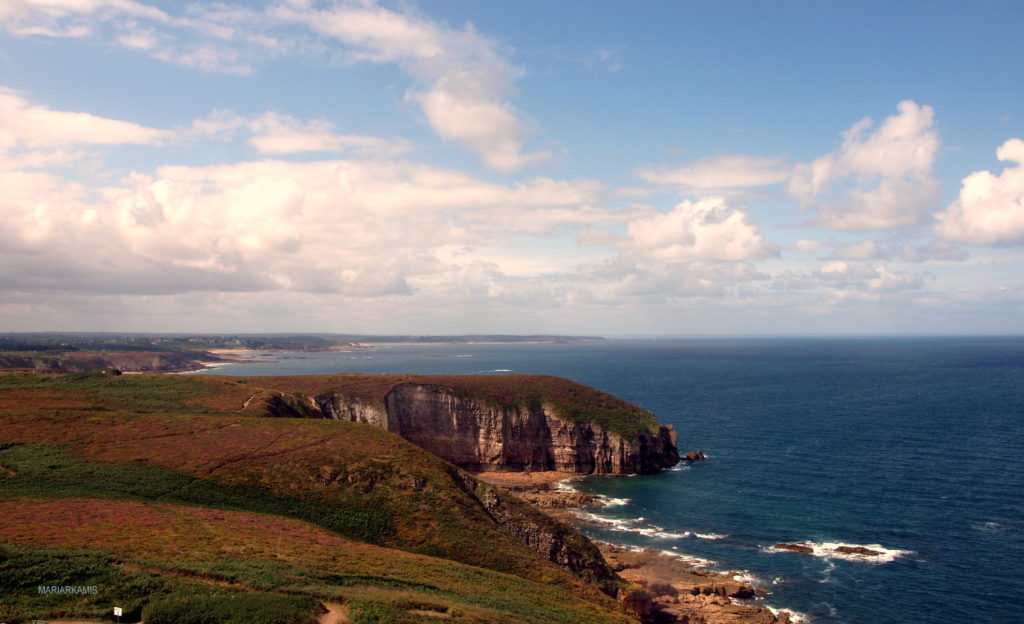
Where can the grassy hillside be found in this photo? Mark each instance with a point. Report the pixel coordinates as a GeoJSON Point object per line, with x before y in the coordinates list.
{"type": "Point", "coordinates": [162, 559]}
{"type": "Point", "coordinates": [159, 489]}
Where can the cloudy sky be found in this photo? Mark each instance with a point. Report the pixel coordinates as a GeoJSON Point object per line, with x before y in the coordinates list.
{"type": "Point", "coordinates": [484, 166]}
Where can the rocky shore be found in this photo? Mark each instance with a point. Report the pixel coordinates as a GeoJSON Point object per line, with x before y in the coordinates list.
{"type": "Point", "coordinates": [668, 589]}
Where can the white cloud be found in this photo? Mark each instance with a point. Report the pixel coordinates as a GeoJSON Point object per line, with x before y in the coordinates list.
{"type": "Point", "coordinates": [68, 18]}
{"type": "Point", "coordinates": [807, 246]}
{"type": "Point", "coordinates": [864, 250]}
{"type": "Point", "coordinates": [907, 252]}
{"type": "Point", "coordinates": [464, 80]}
{"type": "Point", "coordinates": [722, 172]}
{"type": "Point", "coordinates": [990, 209]}
{"type": "Point", "coordinates": [356, 228]}
{"type": "Point", "coordinates": [25, 125]}
{"type": "Point", "coordinates": [274, 133]}
{"type": "Point", "coordinates": [704, 230]}
{"type": "Point", "coordinates": [877, 277]}
{"type": "Point", "coordinates": [934, 250]}
{"type": "Point", "coordinates": [877, 180]}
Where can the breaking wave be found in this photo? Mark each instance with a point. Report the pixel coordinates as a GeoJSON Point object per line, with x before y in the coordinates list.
{"type": "Point", "coordinates": [871, 553]}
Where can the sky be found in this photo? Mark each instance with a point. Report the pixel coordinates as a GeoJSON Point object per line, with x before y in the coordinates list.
{"type": "Point", "coordinates": [484, 166]}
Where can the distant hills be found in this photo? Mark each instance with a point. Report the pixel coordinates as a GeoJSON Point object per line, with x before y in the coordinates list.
{"type": "Point", "coordinates": [128, 352]}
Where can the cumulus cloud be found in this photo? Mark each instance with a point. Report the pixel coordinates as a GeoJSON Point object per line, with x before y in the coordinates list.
{"type": "Point", "coordinates": [990, 209]}
{"type": "Point", "coordinates": [705, 230]}
{"type": "Point", "coordinates": [697, 249]}
{"type": "Point", "coordinates": [354, 228]}
{"type": "Point", "coordinates": [877, 180]}
{"type": "Point", "coordinates": [722, 172]}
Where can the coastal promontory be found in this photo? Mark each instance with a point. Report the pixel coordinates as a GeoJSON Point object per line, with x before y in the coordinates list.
{"type": "Point", "coordinates": [488, 422]}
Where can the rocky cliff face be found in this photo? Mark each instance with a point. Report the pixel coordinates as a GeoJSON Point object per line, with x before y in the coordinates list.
{"type": "Point", "coordinates": [556, 541]}
{"type": "Point", "coordinates": [479, 435]}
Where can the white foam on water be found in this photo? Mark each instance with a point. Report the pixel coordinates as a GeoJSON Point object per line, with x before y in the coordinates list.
{"type": "Point", "coordinates": [464, 355]}
{"type": "Point", "coordinates": [827, 572]}
{"type": "Point", "coordinates": [710, 536]}
{"type": "Point", "coordinates": [679, 467]}
{"type": "Point", "coordinates": [830, 550]}
{"type": "Point", "coordinates": [609, 501]}
{"type": "Point", "coordinates": [500, 370]}
{"type": "Point", "coordinates": [745, 576]}
{"type": "Point", "coordinates": [615, 524]}
{"type": "Point", "coordinates": [655, 531]}
{"type": "Point", "coordinates": [628, 525]}
{"type": "Point", "coordinates": [565, 485]}
{"type": "Point", "coordinates": [697, 562]}
{"type": "Point", "coordinates": [794, 616]}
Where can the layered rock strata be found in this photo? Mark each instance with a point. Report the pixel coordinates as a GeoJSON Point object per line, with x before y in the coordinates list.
{"type": "Point", "coordinates": [476, 434]}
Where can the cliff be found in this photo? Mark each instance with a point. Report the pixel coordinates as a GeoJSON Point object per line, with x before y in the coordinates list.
{"type": "Point", "coordinates": [495, 423]}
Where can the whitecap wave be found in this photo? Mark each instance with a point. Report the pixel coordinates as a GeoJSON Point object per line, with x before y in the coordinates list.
{"type": "Point", "coordinates": [609, 501]}
{"type": "Point", "coordinates": [794, 616]}
{"type": "Point", "coordinates": [871, 553]}
{"type": "Point", "coordinates": [629, 525]}
{"type": "Point", "coordinates": [697, 562]}
{"type": "Point", "coordinates": [745, 576]}
{"type": "Point", "coordinates": [679, 467]}
{"type": "Point", "coordinates": [710, 536]}
{"type": "Point", "coordinates": [657, 532]}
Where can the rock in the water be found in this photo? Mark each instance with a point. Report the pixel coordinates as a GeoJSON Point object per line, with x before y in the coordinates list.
{"type": "Point", "coordinates": [697, 455]}
{"type": "Point", "coordinates": [800, 548]}
{"type": "Point", "coordinates": [857, 550]}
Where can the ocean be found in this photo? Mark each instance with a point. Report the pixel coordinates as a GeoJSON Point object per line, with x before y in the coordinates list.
{"type": "Point", "coordinates": [911, 447]}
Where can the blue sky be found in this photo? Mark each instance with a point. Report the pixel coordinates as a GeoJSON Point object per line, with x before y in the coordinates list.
{"type": "Point", "coordinates": [593, 167]}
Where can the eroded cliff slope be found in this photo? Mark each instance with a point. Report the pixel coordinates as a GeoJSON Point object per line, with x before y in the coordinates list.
{"type": "Point", "coordinates": [506, 422]}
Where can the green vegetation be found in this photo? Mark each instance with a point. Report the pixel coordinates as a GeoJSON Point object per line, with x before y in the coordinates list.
{"type": "Point", "coordinates": [168, 497]}
{"type": "Point", "coordinates": [43, 470]}
{"type": "Point", "coordinates": [231, 608]}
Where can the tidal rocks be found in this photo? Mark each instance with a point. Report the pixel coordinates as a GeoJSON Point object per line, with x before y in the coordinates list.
{"type": "Point", "coordinates": [797, 547]}
{"type": "Point", "coordinates": [697, 455]}
{"type": "Point", "coordinates": [858, 550]}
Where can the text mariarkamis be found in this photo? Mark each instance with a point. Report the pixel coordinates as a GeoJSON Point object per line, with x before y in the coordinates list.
{"type": "Point", "coordinates": [68, 589]}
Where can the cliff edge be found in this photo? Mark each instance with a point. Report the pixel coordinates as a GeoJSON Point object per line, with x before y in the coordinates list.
{"type": "Point", "coordinates": [489, 422]}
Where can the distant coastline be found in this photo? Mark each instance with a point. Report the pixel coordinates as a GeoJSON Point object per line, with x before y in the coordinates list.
{"type": "Point", "coordinates": [53, 352]}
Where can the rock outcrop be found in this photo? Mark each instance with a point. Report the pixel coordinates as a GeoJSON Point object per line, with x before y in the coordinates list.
{"type": "Point", "coordinates": [492, 423]}
{"type": "Point", "coordinates": [478, 435]}
{"type": "Point", "coordinates": [556, 541]}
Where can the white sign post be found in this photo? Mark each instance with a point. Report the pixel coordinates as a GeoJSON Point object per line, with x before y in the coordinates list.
{"type": "Point", "coordinates": [117, 613]}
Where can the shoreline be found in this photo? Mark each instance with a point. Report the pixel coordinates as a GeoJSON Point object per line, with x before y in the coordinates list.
{"type": "Point", "coordinates": [678, 589]}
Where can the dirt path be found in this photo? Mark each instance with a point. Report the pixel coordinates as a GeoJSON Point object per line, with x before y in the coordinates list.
{"type": "Point", "coordinates": [335, 614]}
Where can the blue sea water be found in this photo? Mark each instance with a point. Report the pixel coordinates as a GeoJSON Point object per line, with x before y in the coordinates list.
{"type": "Point", "coordinates": [910, 446]}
